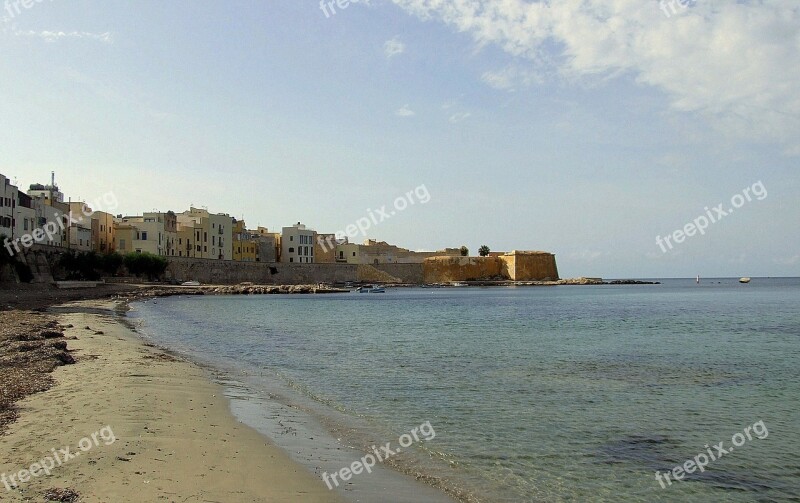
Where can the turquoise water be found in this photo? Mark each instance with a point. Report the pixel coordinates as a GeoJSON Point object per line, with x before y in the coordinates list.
{"type": "Point", "coordinates": [536, 394]}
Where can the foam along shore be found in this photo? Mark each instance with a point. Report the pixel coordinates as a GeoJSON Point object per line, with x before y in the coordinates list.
{"type": "Point", "coordinates": [174, 437]}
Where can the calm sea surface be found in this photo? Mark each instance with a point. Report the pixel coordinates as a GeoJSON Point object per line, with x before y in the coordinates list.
{"type": "Point", "coordinates": [536, 394]}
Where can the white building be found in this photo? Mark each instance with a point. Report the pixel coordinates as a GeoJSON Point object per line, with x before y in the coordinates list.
{"type": "Point", "coordinates": [297, 244]}
{"type": "Point", "coordinates": [8, 207]}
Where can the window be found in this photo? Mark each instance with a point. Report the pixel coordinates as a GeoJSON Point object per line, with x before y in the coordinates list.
{"type": "Point", "coordinates": [291, 238]}
{"type": "Point", "coordinates": [291, 259]}
{"type": "Point", "coordinates": [144, 236]}
{"type": "Point", "coordinates": [354, 254]}
{"type": "Point", "coordinates": [291, 250]}
{"type": "Point", "coordinates": [341, 255]}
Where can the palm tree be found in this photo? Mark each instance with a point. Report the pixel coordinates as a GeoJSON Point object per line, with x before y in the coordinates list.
{"type": "Point", "coordinates": [483, 251]}
{"type": "Point", "coordinates": [464, 251]}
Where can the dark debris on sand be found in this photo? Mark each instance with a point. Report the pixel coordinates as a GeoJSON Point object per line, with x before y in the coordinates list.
{"type": "Point", "coordinates": [32, 345]}
{"type": "Point", "coordinates": [64, 495]}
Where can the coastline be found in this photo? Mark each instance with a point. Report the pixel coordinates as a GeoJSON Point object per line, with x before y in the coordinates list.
{"type": "Point", "coordinates": [315, 437]}
{"type": "Point", "coordinates": [175, 436]}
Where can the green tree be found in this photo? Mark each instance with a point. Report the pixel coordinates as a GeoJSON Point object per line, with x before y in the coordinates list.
{"type": "Point", "coordinates": [145, 264]}
{"type": "Point", "coordinates": [484, 251]}
{"type": "Point", "coordinates": [464, 251]}
{"type": "Point", "coordinates": [111, 262]}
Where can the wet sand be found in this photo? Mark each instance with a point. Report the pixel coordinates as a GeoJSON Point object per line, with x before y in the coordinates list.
{"type": "Point", "coordinates": [174, 437]}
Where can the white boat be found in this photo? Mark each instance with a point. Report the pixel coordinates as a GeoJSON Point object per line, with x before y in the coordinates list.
{"type": "Point", "coordinates": [190, 283]}
{"type": "Point", "coordinates": [744, 280]}
{"type": "Point", "coordinates": [458, 283]}
{"type": "Point", "coordinates": [370, 289]}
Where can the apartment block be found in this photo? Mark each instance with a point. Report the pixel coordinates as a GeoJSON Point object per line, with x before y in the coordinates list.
{"type": "Point", "coordinates": [297, 244]}
{"type": "Point", "coordinates": [211, 235]}
{"type": "Point", "coordinates": [152, 232]}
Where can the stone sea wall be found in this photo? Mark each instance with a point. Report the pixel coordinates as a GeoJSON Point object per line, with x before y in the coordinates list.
{"type": "Point", "coordinates": [515, 266]}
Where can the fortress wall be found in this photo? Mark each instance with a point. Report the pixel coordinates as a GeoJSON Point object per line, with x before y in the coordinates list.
{"type": "Point", "coordinates": [516, 266]}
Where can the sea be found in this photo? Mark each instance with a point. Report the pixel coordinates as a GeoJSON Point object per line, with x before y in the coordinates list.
{"type": "Point", "coordinates": [535, 394]}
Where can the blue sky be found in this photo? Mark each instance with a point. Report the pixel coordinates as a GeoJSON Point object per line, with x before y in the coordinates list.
{"type": "Point", "coordinates": [582, 127]}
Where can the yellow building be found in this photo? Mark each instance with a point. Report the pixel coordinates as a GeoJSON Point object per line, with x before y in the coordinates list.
{"type": "Point", "coordinates": [245, 243]}
{"type": "Point", "coordinates": [211, 236]}
{"type": "Point", "coordinates": [349, 253]}
{"type": "Point", "coordinates": [103, 235]}
{"type": "Point", "coordinates": [152, 232]}
{"type": "Point", "coordinates": [325, 251]}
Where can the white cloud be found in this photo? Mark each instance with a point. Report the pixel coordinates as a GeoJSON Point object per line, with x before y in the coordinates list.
{"type": "Point", "coordinates": [405, 111]}
{"type": "Point", "coordinates": [460, 117]}
{"type": "Point", "coordinates": [393, 47]}
{"type": "Point", "coordinates": [735, 63]}
{"type": "Point", "coordinates": [52, 36]}
{"type": "Point", "coordinates": [510, 78]}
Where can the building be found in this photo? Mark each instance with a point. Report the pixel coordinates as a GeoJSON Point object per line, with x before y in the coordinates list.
{"type": "Point", "coordinates": [9, 195]}
{"type": "Point", "coordinates": [103, 235]}
{"type": "Point", "coordinates": [152, 232]}
{"type": "Point", "coordinates": [348, 253]}
{"type": "Point", "coordinates": [269, 245]}
{"type": "Point", "coordinates": [297, 244]}
{"type": "Point", "coordinates": [211, 235]}
{"type": "Point", "coordinates": [50, 193]}
{"type": "Point", "coordinates": [245, 243]}
{"type": "Point", "coordinates": [52, 221]}
{"type": "Point", "coordinates": [79, 229]}
{"type": "Point", "coordinates": [22, 214]}
{"type": "Point", "coordinates": [325, 251]}
{"type": "Point", "coordinates": [25, 216]}
{"type": "Point", "coordinates": [378, 252]}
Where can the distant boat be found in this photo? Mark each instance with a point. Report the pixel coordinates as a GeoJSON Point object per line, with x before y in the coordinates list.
{"type": "Point", "coordinates": [458, 283]}
{"type": "Point", "coordinates": [370, 289]}
{"type": "Point", "coordinates": [698, 279]}
{"type": "Point", "coordinates": [744, 280]}
{"type": "Point", "coordinates": [191, 283]}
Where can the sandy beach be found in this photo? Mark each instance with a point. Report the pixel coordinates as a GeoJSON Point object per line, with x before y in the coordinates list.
{"type": "Point", "coordinates": [129, 422]}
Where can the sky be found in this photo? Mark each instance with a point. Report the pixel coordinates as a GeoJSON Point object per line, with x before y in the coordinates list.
{"type": "Point", "coordinates": [586, 128]}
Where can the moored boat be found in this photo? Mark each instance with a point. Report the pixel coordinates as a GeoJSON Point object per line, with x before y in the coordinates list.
{"type": "Point", "coordinates": [370, 289]}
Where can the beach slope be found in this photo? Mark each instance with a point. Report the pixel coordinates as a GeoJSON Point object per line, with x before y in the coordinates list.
{"type": "Point", "coordinates": [140, 425]}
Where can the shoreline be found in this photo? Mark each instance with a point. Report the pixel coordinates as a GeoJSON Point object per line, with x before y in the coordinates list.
{"type": "Point", "coordinates": [175, 434]}
{"type": "Point", "coordinates": [317, 440]}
